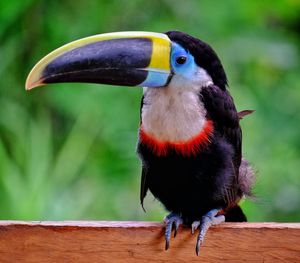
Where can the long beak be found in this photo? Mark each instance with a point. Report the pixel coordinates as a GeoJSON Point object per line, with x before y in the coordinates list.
{"type": "Point", "coordinates": [124, 58]}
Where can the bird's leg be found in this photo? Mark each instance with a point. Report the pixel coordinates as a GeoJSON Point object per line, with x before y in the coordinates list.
{"type": "Point", "coordinates": [170, 220]}
{"type": "Point", "coordinates": [209, 219]}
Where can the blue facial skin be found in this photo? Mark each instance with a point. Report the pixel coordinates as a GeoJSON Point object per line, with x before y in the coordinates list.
{"type": "Point", "coordinates": [186, 69]}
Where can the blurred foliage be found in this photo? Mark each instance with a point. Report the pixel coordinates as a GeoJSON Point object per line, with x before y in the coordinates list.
{"type": "Point", "coordinates": [68, 151]}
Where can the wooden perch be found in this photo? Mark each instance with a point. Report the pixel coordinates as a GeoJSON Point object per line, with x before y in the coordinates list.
{"type": "Point", "coordinates": [88, 242]}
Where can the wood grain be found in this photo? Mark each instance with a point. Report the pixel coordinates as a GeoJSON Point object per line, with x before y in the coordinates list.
{"type": "Point", "coordinates": [100, 241]}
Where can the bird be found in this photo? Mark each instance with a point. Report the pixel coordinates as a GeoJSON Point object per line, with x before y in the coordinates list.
{"type": "Point", "coordinates": [189, 139]}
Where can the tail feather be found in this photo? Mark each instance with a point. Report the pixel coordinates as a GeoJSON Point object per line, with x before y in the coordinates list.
{"type": "Point", "coordinates": [244, 113]}
{"type": "Point", "coordinates": [235, 214]}
{"type": "Point", "coordinates": [246, 178]}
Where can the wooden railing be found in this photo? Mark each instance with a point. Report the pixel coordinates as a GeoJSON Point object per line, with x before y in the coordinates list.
{"type": "Point", "coordinates": [98, 241]}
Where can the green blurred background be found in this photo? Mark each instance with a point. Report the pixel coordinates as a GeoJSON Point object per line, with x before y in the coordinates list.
{"type": "Point", "coordinates": [68, 151]}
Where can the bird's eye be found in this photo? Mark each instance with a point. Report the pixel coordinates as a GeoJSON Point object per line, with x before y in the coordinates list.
{"type": "Point", "coordinates": [181, 60]}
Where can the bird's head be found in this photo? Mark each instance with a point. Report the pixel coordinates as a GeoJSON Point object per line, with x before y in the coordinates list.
{"type": "Point", "coordinates": [143, 59]}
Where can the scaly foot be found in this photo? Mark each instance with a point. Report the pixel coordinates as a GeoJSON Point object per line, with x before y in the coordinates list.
{"type": "Point", "coordinates": [209, 219]}
{"type": "Point", "coordinates": [170, 220]}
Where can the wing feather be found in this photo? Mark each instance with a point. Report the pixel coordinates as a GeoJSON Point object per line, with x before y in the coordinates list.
{"type": "Point", "coordinates": [144, 187]}
{"type": "Point", "coordinates": [144, 183]}
{"type": "Point", "coordinates": [221, 110]}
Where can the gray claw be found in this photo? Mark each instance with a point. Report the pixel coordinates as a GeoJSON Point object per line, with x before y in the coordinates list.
{"type": "Point", "coordinates": [170, 220]}
{"type": "Point", "coordinates": [198, 244]}
{"type": "Point", "coordinates": [195, 225]}
{"type": "Point", "coordinates": [168, 233]}
{"type": "Point", "coordinates": [209, 219]}
{"type": "Point", "coordinates": [177, 223]}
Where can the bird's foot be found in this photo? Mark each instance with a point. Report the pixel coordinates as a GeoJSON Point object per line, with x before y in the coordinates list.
{"type": "Point", "coordinates": [170, 221]}
{"type": "Point", "coordinates": [209, 219]}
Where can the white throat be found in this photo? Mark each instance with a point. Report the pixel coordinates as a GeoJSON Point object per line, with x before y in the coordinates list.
{"type": "Point", "coordinates": [175, 113]}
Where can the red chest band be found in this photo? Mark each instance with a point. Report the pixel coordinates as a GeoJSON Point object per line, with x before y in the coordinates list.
{"type": "Point", "coordinates": [187, 148]}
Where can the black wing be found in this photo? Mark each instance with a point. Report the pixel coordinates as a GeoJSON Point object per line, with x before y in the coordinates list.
{"type": "Point", "coordinates": [221, 110]}
{"type": "Point", "coordinates": [144, 183]}
{"type": "Point", "coordinates": [144, 187]}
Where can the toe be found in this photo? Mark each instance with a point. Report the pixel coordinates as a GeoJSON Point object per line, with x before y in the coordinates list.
{"type": "Point", "coordinates": [209, 219]}
{"type": "Point", "coordinates": [195, 225]}
{"type": "Point", "coordinates": [198, 245]}
{"type": "Point", "coordinates": [168, 232]}
{"type": "Point", "coordinates": [170, 220]}
{"type": "Point", "coordinates": [177, 223]}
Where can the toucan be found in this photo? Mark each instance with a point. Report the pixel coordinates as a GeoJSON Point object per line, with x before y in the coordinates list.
{"type": "Point", "coordinates": [189, 139]}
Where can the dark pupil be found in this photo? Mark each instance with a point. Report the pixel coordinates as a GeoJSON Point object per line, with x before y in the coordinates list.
{"type": "Point", "coordinates": [181, 60]}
